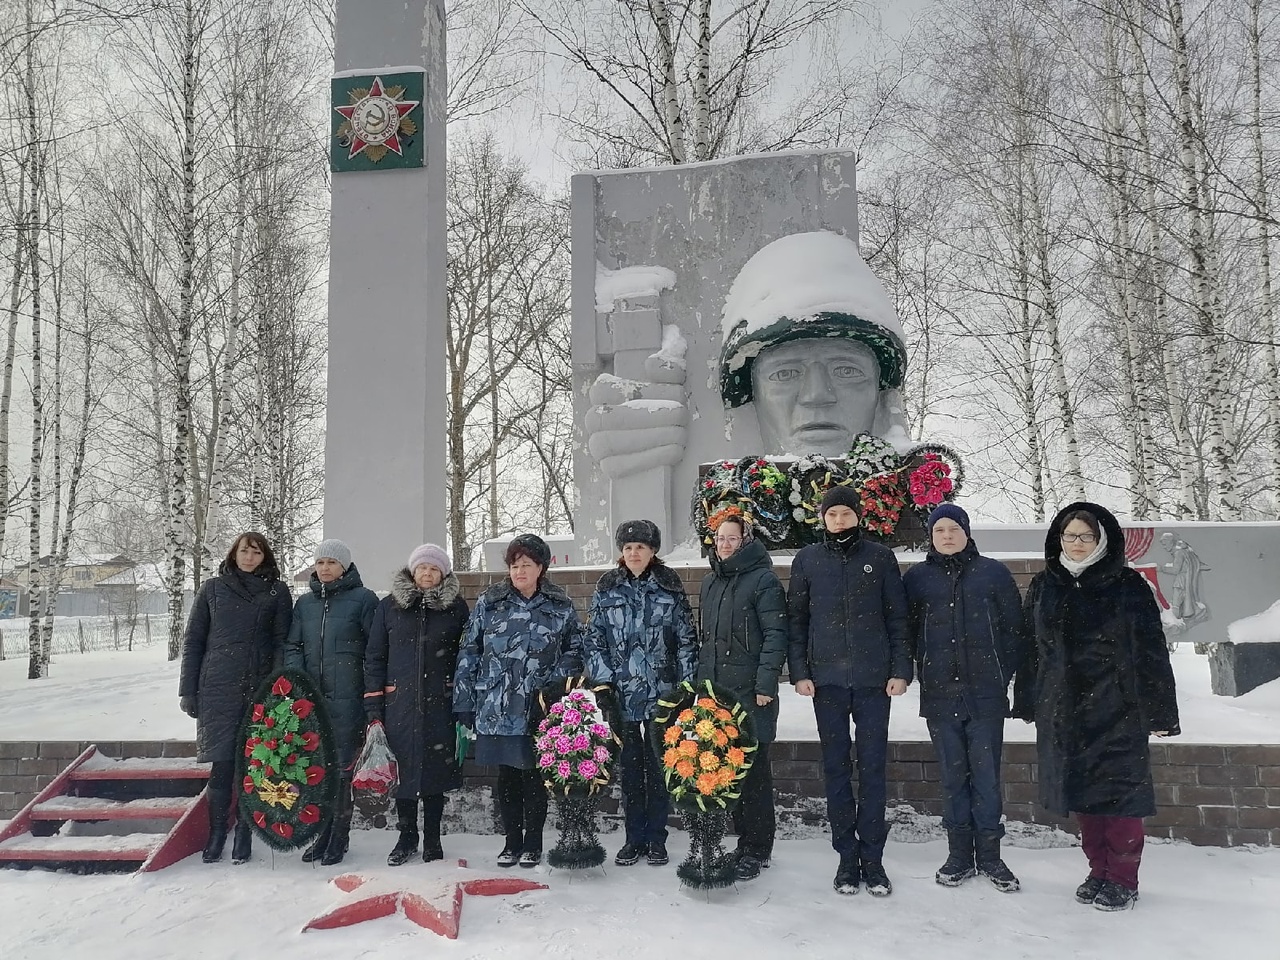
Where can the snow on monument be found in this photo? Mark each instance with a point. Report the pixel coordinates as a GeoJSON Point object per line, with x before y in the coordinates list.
{"type": "Point", "coordinates": [721, 310]}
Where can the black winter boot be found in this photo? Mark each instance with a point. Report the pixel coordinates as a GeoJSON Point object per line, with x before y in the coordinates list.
{"type": "Point", "coordinates": [242, 844]}
{"type": "Point", "coordinates": [316, 849]}
{"type": "Point", "coordinates": [959, 865]}
{"type": "Point", "coordinates": [987, 851]}
{"type": "Point", "coordinates": [432, 811]}
{"type": "Point", "coordinates": [407, 824]}
{"type": "Point", "coordinates": [535, 817]}
{"type": "Point", "coordinates": [340, 829]}
{"type": "Point", "coordinates": [510, 796]}
{"type": "Point", "coordinates": [219, 804]}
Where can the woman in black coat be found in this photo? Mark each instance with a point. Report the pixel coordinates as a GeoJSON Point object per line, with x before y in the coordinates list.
{"type": "Point", "coordinates": [238, 624]}
{"type": "Point", "coordinates": [408, 672]}
{"type": "Point", "coordinates": [1097, 682]}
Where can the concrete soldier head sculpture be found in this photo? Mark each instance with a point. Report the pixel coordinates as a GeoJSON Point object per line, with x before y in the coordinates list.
{"type": "Point", "coordinates": [811, 339]}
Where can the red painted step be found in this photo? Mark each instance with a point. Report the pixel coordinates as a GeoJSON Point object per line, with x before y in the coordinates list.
{"type": "Point", "coordinates": [104, 791]}
{"type": "Point", "coordinates": [96, 808]}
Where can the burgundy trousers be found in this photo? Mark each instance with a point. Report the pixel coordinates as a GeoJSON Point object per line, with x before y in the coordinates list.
{"type": "Point", "coordinates": [1113, 846]}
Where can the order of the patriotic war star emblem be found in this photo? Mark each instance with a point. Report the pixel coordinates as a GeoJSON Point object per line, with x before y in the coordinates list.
{"type": "Point", "coordinates": [377, 122]}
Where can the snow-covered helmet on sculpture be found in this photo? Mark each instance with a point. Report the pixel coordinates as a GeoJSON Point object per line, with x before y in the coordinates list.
{"type": "Point", "coordinates": [813, 287]}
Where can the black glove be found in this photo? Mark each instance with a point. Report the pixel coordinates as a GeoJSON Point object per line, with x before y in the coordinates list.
{"type": "Point", "coordinates": [190, 706]}
{"type": "Point", "coordinates": [467, 719]}
{"type": "Point", "coordinates": [373, 709]}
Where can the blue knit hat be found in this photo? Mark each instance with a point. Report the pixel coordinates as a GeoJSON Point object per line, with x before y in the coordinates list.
{"type": "Point", "coordinates": [949, 511]}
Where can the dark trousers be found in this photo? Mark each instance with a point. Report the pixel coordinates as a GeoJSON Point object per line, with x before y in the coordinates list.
{"type": "Point", "coordinates": [969, 765]}
{"type": "Point", "coordinates": [1113, 846]}
{"type": "Point", "coordinates": [644, 793]}
{"type": "Point", "coordinates": [522, 805]}
{"type": "Point", "coordinates": [753, 818]}
{"type": "Point", "coordinates": [857, 829]}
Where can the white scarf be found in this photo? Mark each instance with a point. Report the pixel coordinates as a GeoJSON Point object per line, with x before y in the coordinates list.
{"type": "Point", "coordinates": [1077, 567]}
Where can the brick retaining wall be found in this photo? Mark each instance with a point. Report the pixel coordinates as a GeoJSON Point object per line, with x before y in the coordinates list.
{"type": "Point", "coordinates": [1207, 794]}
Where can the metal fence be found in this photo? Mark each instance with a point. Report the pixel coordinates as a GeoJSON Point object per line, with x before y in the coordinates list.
{"type": "Point", "coordinates": [86, 634]}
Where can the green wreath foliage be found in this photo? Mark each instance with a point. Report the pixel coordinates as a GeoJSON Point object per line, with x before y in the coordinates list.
{"type": "Point", "coordinates": [288, 762]}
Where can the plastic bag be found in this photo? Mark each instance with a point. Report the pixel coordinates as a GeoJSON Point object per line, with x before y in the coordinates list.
{"type": "Point", "coordinates": [376, 769]}
{"type": "Point", "coordinates": [462, 742]}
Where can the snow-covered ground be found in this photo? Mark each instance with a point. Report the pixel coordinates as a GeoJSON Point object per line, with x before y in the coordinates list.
{"type": "Point", "coordinates": [1195, 902]}
{"type": "Point", "coordinates": [114, 695]}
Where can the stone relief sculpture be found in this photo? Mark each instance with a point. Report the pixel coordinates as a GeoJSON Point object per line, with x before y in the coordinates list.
{"type": "Point", "coordinates": [1186, 608]}
{"type": "Point", "coordinates": [723, 310]}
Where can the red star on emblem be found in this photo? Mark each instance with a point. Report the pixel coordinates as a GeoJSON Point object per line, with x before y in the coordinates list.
{"type": "Point", "coordinates": [375, 119]}
{"type": "Point", "coordinates": [436, 904]}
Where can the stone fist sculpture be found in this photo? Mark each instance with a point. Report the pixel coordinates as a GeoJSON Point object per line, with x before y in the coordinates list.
{"type": "Point", "coordinates": [638, 418]}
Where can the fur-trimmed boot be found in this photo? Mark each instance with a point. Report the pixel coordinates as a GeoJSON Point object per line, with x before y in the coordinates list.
{"type": "Point", "coordinates": [959, 865]}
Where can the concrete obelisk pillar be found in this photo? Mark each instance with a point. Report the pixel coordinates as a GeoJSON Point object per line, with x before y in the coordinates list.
{"type": "Point", "coordinates": [385, 441]}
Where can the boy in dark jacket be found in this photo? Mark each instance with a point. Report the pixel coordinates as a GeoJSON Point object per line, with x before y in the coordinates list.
{"type": "Point", "coordinates": [966, 618]}
{"type": "Point", "coordinates": [848, 650]}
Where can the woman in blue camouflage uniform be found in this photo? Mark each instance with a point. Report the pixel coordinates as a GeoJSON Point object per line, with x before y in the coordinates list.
{"type": "Point", "coordinates": [523, 633]}
{"type": "Point", "coordinates": [639, 619]}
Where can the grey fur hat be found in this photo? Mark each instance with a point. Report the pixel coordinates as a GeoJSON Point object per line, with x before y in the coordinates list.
{"type": "Point", "coordinates": [638, 531]}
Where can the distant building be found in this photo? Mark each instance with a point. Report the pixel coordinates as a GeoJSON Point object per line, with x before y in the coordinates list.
{"type": "Point", "coordinates": [82, 570]}
{"type": "Point", "coordinates": [141, 589]}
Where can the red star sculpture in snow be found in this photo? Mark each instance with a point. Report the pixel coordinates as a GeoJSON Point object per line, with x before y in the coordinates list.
{"type": "Point", "coordinates": [436, 904]}
{"type": "Point", "coordinates": [375, 119]}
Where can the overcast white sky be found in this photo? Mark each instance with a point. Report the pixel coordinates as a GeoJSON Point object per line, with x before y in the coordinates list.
{"type": "Point", "coordinates": [529, 132]}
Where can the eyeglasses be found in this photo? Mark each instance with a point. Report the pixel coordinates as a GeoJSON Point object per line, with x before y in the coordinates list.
{"type": "Point", "coordinates": [729, 541]}
{"type": "Point", "coordinates": [1079, 538]}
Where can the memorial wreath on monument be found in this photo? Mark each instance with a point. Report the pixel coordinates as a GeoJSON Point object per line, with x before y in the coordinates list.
{"type": "Point", "coordinates": [576, 743]}
{"type": "Point", "coordinates": [703, 737]}
{"type": "Point", "coordinates": [781, 495]}
{"type": "Point", "coordinates": [287, 782]}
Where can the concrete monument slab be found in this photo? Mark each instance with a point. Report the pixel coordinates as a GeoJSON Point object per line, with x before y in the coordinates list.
{"type": "Point", "coordinates": [384, 446]}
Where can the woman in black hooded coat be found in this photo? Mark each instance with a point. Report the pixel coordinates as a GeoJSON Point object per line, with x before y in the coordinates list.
{"type": "Point", "coordinates": [1097, 682]}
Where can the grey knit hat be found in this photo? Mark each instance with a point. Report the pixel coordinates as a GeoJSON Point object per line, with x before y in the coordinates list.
{"type": "Point", "coordinates": [334, 550]}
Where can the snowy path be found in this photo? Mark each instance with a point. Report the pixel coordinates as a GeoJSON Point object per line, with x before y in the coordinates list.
{"type": "Point", "coordinates": [1196, 902]}
{"type": "Point", "coordinates": [114, 695]}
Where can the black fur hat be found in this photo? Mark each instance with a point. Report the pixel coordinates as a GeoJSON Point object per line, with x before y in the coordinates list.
{"type": "Point", "coordinates": [639, 531]}
{"type": "Point", "coordinates": [533, 546]}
